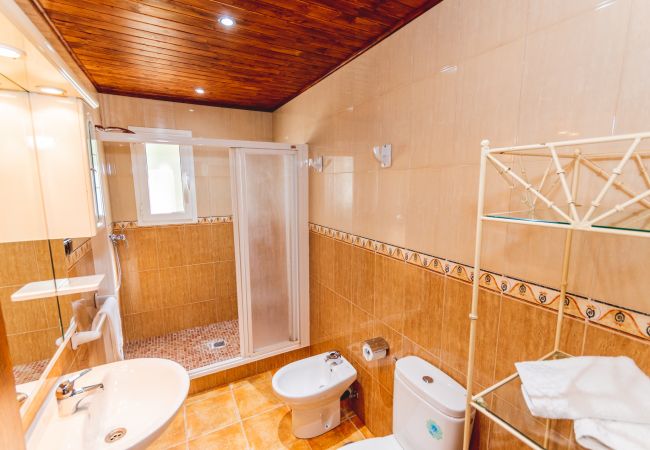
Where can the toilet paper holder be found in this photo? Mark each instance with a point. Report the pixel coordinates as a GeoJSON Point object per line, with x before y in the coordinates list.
{"type": "Point", "coordinates": [375, 348]}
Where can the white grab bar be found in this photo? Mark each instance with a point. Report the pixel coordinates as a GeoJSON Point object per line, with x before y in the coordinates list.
{"type": "Point", "coordinates": [83, 337]}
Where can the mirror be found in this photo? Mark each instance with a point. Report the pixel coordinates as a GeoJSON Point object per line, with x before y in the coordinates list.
{"type": "Point", "coordinates": [26, 256]}
{"type": "Point", "coordinates": [32, 263]}
{"type": "Point", "coordinates": [33, 326]}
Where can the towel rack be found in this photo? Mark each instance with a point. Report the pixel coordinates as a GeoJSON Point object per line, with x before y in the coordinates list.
{"type": "Point", "coordinates": [83, 337]}
{"type": "Point", "coordinates": [556, 215]}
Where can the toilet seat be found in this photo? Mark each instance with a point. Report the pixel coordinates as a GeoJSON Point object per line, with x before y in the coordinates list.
{"type": "Point", "coordinates": [381, 443]}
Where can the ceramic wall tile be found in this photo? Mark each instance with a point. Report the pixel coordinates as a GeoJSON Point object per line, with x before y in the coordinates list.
{"type": "Point", "coordinates": [433, 118]}
{"type": "Point", "coordinates": [424, 298]}
{"type": "Point", "coordinates": [632, 114]}
{"type": "Point", "coordinates": [436, 39]}
{"type": "Point", "coordinates": [362, 274]}
{"type": "Point", "coordinates": [383, 369]}
{"type": "Point", "coordinates": [455, 335]}
{"type": "Point", "coordinates": [203, 121]}
{"type": "Point", "coordinates": [602, 342]}
{"type": "Point", "coordinates": [421, 307]}
{"type": "Point", "coordinates": [488, 102]}
{"type": "Point", "coordinates": [557, 69]}
{"type": "Point", "coordinates": [486, 25]}
{"type": "Point", "coordinates": [362, 330]}
{"type": "Point", "coordinates": [177, 277]}
{"type": "Point", "coordinates": [395, 117]}
{"type": "Point", "coordinates": [389, 291]}
{"type": "Point", "coordinates": [544, 14]}
{"type": "Point", "coordinates": [572, 76]}
{"type": "Point", "coordinates": [527, 333]}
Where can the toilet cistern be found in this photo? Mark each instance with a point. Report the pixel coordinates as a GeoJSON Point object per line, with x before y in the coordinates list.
{"type": "Point", "coordinates": [68, 398]}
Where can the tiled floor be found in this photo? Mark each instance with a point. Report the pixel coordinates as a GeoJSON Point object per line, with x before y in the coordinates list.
{"type": "Point", "coordinates": [246, 414]}
{"type": "Point", "coordinates": [190, 347]}
{"type": "Point", "coordinates": [25, 373]}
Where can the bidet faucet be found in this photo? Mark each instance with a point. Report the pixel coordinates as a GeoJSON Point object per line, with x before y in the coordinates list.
{"type": "Point", "coordinates": [333, 358]}
{"type": "Point", "coordinates": [68, 398]}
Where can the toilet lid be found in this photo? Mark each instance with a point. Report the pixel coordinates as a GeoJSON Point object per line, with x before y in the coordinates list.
{"type": "Point", "coordinates": [383, 443]}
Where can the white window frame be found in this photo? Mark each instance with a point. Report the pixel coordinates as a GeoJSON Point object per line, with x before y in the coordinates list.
{"type": "Point", "coordinates": [141, 182]}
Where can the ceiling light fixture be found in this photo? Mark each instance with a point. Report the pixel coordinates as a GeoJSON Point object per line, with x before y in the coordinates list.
{"type": "Point", "coordinates": [11, 52]}
{"type": "Point", "coordinates": [226, 21]}
{"type": "Point", "coordinates": [50, 90]}
{"type": "Point", "coordinates": [199, 90]}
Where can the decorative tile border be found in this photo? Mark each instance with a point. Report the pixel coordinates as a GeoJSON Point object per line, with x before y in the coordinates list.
{"type": "Point", "coordinates": [596, 311]}
{"type": "Point", "coordinates": [77, 254]}
{"type": "Point", "coordinates": [209, 219]}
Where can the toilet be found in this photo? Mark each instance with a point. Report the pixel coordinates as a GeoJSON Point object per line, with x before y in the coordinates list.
{"type": "Point", "coordinates": [312, 388]}
{"type": "Point", "coordinates": [428, 410]}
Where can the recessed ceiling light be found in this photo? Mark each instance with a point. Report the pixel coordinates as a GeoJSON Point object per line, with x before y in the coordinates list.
{"type": "Point", "coordinates": [50, 90]}
{"type": "Point", "coordinates": [199, 90]}
{"type": "Point", "coordinates": [226, 21]}
{"type": "Point", "coordinates": [11, 52]}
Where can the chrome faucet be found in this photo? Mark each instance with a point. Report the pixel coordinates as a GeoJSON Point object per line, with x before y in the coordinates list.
{"type": "Point", "coordinates": [115, 238]}
{"type": "Point", "coordinates": [333, 358]}
{"type": "Point", "coordinates": [68, 398]}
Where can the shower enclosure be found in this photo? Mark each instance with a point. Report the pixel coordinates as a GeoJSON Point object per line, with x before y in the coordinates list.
{"type": "Point", "coordinates": [238, 219]}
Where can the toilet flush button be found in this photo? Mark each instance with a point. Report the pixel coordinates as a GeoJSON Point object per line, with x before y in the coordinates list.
{"type": "Point", "coordinates": [427, 379]}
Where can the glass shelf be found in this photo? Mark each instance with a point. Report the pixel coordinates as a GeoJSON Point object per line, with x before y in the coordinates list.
{"type": "Point", "coordinates": [541, 221]}
{"type": "Point", "coordinates": [504, 404]}
{"type": "Point", "coordinates": [531, 190]}
{"type": "Point", "coordinates": [61, 286]}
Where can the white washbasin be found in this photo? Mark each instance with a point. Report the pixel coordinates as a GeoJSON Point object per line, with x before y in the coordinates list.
{"type": "Point", "coordinates": [140, 395]}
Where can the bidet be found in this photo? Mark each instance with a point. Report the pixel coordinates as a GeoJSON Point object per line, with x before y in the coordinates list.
{"type": "Point", "coordinates": [312, 387]}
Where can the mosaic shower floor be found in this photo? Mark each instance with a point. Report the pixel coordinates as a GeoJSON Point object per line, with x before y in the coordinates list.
{"type": "Point", "coordinates": [192, 348]}
{"type": "Point", "coordinates": [24, 373]}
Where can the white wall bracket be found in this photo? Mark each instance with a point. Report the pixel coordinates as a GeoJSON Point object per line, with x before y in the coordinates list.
{"type": "Point", "coordinates": [384, 155]}
{"type": "Point", "coordinates": [83, 337]}
{"type": "Point", "coordinates": [316, 163]}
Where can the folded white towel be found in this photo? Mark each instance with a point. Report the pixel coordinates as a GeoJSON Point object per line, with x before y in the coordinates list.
{"type": "Point", "coordinates": [606, 388]}
{"type": "Point", "coordinates": [609, 434]}
{"type": "Point", "coordinates": [113, 343]}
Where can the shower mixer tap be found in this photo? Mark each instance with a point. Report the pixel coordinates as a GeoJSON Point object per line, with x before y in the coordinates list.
{"type": "Point", "coordinates": [115, 238]}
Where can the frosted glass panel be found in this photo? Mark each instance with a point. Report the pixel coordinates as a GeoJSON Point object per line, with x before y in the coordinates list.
{"type": "Point", "coordinates": [164, 178]}
{"type": "Point", "coordinates": [268, 185]}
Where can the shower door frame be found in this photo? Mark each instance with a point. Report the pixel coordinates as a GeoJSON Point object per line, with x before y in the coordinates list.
{"type": "Point", "coordinates": [299, 248]}
{"type": "Point", "coordinates": [302, 235]}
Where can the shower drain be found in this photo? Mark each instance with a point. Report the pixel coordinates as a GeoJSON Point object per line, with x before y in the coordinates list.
{"type": "Point", "coordinates": [115, 435]}
{"type": "Point", "coordinates": [212, 345]}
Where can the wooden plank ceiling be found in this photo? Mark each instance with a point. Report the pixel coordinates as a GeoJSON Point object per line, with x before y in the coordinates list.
{"type": "Point", "coordinates": [166, 48]}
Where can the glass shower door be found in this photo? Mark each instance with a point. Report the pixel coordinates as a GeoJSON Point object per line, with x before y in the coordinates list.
{"type": "Point", "coordinates": [267, 238]}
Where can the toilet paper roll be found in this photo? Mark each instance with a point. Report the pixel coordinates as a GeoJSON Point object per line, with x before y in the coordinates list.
{"type": "Point", "coordinates": [375, 348]}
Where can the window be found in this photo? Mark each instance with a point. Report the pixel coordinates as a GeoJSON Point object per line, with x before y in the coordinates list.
{"type": "Point", "coordinates": [95, 174]}
{"type": "Point", "coordinates": [163, 176]}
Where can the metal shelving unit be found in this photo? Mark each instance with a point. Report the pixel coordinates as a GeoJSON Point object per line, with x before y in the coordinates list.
{"type": "Point", "coordinates": [559, 198]}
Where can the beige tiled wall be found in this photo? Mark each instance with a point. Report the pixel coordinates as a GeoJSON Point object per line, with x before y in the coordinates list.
{"type": "Point", "coordinates": [357, 294]}
{"type": "Point", "coordinates": [211, 165]}
{"type": "Point", "coordinates": [202, 121]}
{"type": "Point", "coordinates": [513, 72]}
{"type": "Point", "coordinates": [211, 176]}
{"type": "Point", "coordinates": [177, 277]}
{"type": "Point", "coordinates": [32, 326]}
